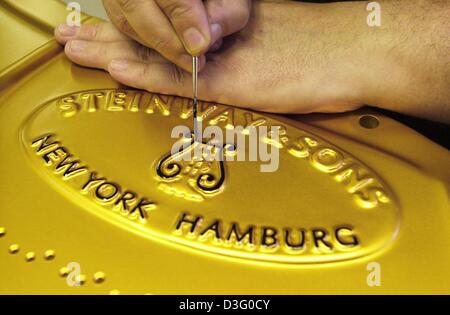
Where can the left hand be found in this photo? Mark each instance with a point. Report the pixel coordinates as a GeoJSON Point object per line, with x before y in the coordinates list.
{"type": "Point", "coordinates": [279, 66]}
{"type": "Point", "coordinates": [299, 58]}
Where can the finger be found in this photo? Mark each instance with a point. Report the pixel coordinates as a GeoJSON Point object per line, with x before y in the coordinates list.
{"type": "Point", "coordinates": [63, 33]}
{"type": "Point", "coordinates": [99, 54]}
{"type": "Point", "coordinates": [163, 78]}
{"type": "Point", "coordinates": [190, 21]}
{"type": "Point", "coordinates": [216, 33]}
{"type": "Point", "coordinates": [166, 78]}
{"type": "Point", "coordinates": [104, 32]}
{"type": "Point", "coordinates": [232, 16]}
{"type": "Point", "coordinates": [154, 30]}
{"type": "Point", "coordinates": [119, 20]}
{"type": "Point", "coordinates": [160, 77]}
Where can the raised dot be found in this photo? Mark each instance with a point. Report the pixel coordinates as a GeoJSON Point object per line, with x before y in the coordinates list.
{"type": "Point", "coordinates": [2, 231]}
{"type": "Point", "coordinates": [14, 248]}
{"type": "Point", "coordinates": [64, 271]}
{"type": "Point", "coordinates": [99, 277]}
{"type": "Point", "coordinates": [81, 279]}
{"type": "Point", "coordinates": [30, 256]}
{"type": "Point", "coordinates": [49, 254]}
{"type": "Point", "coordinates": [114, 292]}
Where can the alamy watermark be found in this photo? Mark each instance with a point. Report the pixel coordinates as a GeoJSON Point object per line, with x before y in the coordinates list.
{"type": "Point", "coordinates": [374, 17]}
{"type": "Point", "coordinates": [374, 277]}
{"type": "Point", "coordinates": [238, 143]}
{"type": "Point", "coordinates": [74, 17]}
{"type": "Point", "coordinates": [74, 274]}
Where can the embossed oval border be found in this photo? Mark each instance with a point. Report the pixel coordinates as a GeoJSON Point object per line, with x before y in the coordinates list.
{"type": "Point", "coordinates": [200, 248]}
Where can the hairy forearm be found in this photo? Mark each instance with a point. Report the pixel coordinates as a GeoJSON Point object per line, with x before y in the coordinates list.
{"type": "Point", "coordinates": [407, 57]}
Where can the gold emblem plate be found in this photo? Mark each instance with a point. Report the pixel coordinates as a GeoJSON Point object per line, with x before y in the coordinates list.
{"type": "Point", "coordinates": [87, 178]}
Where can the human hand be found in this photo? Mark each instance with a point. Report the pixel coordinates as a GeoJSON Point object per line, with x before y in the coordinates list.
{"type": "Point", "coordinates": [279, 66]}
{"type": "Point", "coordinates": [179, 29]}
{"type": "Point", "coordinates": [295, 58]}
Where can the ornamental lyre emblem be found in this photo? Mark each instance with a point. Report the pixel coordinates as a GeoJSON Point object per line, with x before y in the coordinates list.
{"type": "Point", "coordinates": [196, 171]}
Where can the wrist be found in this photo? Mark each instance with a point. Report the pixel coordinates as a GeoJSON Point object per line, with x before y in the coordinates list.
{"type": "Point", "coordinates": [401, 64]}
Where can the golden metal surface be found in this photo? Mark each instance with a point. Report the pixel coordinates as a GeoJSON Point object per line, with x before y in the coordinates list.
{"type": "Point", "coordinates": [87, 178]}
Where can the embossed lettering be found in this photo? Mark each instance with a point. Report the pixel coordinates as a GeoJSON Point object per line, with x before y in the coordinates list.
{"type": "Point", "coordinates": [344, 235]}
{"type": "Point", "coordinates": [117, 101]}
{"type": "Point", "coordinates": [266, 239]}
{"type": "Point", "coordinates": [70, 168]}
{"type": "Point", "coordinates": [123, 202]}
{"type": "Point", "coordinates": [320, 239]}
{"type": "Point", "coordinates": [269, 237]}
{"type": "Point", "coordinates": [290, 244]}
{"type": "Point", "coordinates": [42, 143]}
{"type": "Point", "coordinates": [235, 234]}
{"type": "Point", "coordinates": [157, 102]}
{"type": "Point", "coordinates": [68, 107]}
{"type": "Point", "coordinates": [225, 117]}
{"type": "Point", "coordinates": [107, 191]}
{"type": "Point", "coordinates": [92, 182]}
{"type": "Point", "coordinates": [183, 220]}
{"type": "Point", "coordinates": [143, 206]}
{"type": "Point", "coordinates": [54, 155]}
{"type": "Point", "coordinates": [215, 228]}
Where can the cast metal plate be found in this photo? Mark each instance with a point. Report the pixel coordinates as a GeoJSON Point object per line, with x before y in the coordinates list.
{"type": "Point", "coordinates": [83, 164]}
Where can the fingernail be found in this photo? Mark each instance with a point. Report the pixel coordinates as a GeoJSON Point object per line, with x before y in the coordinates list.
{"type": "Point", "coordinates": [77, 45]}
{"type": "Point", "coordinates": [216, 32]}
{"type": "Point", "coordinates": [194, 40]}
{"type": "Point", "coordinates": [118, 65]}
{"type": "Point", "coordinates": [66, 30]}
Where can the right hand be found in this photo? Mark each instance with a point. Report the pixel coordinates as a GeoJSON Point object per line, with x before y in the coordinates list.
{"type": "Point", "coordinates": [179, 29]}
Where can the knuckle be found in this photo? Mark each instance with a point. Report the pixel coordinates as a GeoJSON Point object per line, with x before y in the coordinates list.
{"type": "Point", "coordinates": [93, 31]}
{"type": "Point", "coordinates": [160, 44]}
{"type": "Point", "coordinates": [177, 9]}
{"type": "Point", "coordinates": [176, 75]}
{"type": "Point", "coordinates": [124, 26]}
{"type": "Point", "coordinates": [128, 5]}
{"type": "Point", "coordinates": [102, 52]}
{"type": "Point", "coordinates": [143, 76]}
{"type": "Point", "coordinates": [144, 53]}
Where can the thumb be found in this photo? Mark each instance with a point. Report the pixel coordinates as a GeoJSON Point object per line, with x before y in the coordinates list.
{"type": "Point", "coordinates": [190, 21]}
{"type": "Point", "coordinates": [232, 16]}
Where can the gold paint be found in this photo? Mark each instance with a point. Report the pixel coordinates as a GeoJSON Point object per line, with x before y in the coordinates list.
{"type": "Point", "coordinates": [225, 117]}
{"type": "Point", "coordinates": [157, 102]}
{"type": "Point", "coordinates": [2, 231]}
{"type": "Point", "coordinates": [202, 181]}
{"type": "Point", "coordinates": [79, 175]}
